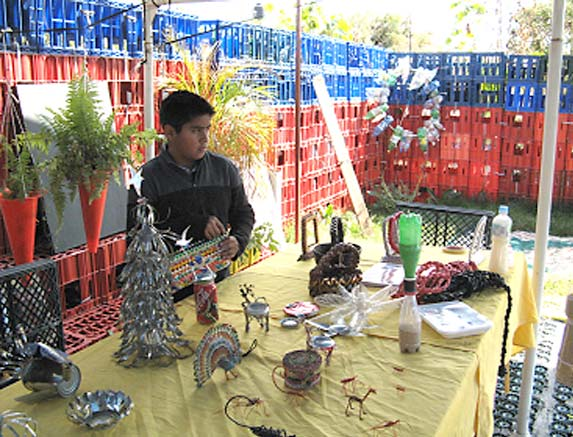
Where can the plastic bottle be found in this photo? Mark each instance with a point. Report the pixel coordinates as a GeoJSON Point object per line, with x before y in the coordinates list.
{"type": "Point", "coordinates": [410, 327]}
{"type": "Point", "coordinates": [410, 324]}
{"type": "Point", "coordinates": [500, 235]}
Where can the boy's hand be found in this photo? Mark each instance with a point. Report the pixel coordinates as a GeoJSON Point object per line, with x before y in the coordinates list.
{"type": "Point", "coordinates": [229, 247]}
{"type": "Point", "coordinates": [214, 228]}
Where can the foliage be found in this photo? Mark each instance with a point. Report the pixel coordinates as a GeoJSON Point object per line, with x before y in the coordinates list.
{"type": "Point", "coordinates": [530, 31]}
{"type": "Point", "coordinates": [394, 32]}
{"type": "Point", "coordinates": [391, 31]}
{"type": "Point", "coordinates": [23, 175]}
{"type": "Point", "coordinates": [242, 126]}
{"type": "Point", "coordinates": [88, 149]}
{"type": "Point", "coordinates": [468, 14]}
{"type": "Point", "coordinates": [385, 197]}
{"type": "Point", "coordinates": [263, 236]}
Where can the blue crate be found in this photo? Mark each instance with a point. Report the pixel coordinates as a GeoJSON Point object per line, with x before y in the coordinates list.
{"type": "Point", "coordinates": [565, 98]}
{"type": "Point", "coordinates": [378, 58]}
{"type": "Point", "coordinates": [307, 93]}
{"type": "Point", "coordinates": [491, 65]}
{"type": "Point", "coordinates": [341, 84]}
{"type": "Point", "coordinates": [356, 55]}
{"type": "Point", "coordinates": [522, 96]}
{"type": "Point", "coordinates": [488, 92]}
{"type": "Point", "coordinates": [61, 19]}
{"type": "Point", "coordinates": [456, 65]}
{"type": "Point", "coordinates": [285, 83]}
{"type": "Point", "coordinates": [16, 16]}
{"type": "Point", "coordinates": [430, 61]}
{"type": "Point", "coordinates": [283, 47]}
{"type": "Point", "coordinates": [394, 57]}
{"type": "Point", "coordinates": [328, 49]}
{"type": "Point", "coordinates": [355, 83]}
{"type": "Point", "coordinates": [341, 53]}
{"type": "Point", "coordinates": [525, 67]}
{"type": "Point", "coordinates": [312, 50]}
{"type": "Point", "coordinates": [456, 91]}
{"type": "Point", "coordinates": [109, 36]}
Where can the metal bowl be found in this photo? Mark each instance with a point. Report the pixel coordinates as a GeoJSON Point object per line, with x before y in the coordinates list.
{"type": "Point", "coordinates": [99, 409]}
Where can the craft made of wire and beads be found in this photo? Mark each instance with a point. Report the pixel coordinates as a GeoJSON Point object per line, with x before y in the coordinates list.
{"type": "Point", "coordinates": [434, 277]}
{"type": "Point", "coordinates": [186, 262]}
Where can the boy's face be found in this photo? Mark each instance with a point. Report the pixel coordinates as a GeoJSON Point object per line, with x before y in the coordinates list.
{"type": "Point", "coordinates": [190, 143]}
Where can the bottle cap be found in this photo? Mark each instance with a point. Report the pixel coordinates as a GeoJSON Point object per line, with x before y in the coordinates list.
{"type": "Point", "coordinates": [503, 209]}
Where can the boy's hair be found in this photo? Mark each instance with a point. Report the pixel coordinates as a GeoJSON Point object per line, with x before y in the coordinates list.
{"type": "Point", "coordinates": [183, 106]}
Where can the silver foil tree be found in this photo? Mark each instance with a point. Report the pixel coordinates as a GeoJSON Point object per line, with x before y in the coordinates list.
{"type": "Point", "coordinates": [150, 323]}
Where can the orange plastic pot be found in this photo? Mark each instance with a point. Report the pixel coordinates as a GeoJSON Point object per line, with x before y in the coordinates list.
{"type": "Point", "coordinates": [92, 213]}
{"type": "Point", "coordinates": [20, 222]}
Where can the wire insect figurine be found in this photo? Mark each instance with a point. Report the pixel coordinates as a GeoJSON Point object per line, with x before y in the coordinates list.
{"type": "Point", "coordinates": [260, 431]}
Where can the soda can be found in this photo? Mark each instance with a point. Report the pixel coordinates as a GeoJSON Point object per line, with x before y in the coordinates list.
{"type": "Point", "coordinates": [205, 291]}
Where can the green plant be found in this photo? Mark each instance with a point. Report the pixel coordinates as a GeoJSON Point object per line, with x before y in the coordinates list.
{"type": "Point", "coordinates": [263, 236]}
{"type": "Point", "coordinates": [23, 176]}
{"type": "Point", "coordinates": [88, 149]}
{"type": "Point", "coordinates": [243, 123]}
{"type": "Point", "coordinates": [385, 197]}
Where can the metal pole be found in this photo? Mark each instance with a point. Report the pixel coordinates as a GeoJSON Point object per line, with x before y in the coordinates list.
{"type": "Point", "coordinates": [148, 100]}
{"type": "Point", "coordinates": [544, 202]}
{"type": "Point", "coordinates": [297, 117]}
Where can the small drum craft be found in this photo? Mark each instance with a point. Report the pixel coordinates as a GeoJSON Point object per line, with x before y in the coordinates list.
{"type": "Point", "coordinates": [301, 370]}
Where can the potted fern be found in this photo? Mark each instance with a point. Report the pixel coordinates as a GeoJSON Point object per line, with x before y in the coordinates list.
{"type": "Point", "coordinates": [19, 196]}
{"type": "Point", "coordinates": [88, 152]}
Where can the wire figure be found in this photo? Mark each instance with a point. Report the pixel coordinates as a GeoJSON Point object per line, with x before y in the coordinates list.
{"type": "Point", "coordinates": [260, 431]}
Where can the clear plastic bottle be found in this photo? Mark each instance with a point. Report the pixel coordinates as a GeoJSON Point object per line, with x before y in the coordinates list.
{"type": "Point", "coordinates": [410, 327]}
{"type": "Point", "coordinates": [500, 236]}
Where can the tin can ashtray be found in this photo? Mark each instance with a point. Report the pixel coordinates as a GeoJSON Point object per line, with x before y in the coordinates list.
{"type": "Point", "coordinates": [99, 409]}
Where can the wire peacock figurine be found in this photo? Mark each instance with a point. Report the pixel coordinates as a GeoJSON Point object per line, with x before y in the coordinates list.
{"type": "Point", "coordinates": [219, 347]}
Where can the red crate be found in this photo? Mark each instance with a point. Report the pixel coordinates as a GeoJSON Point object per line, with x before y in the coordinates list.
{"type": "Point", "coordinates": [426, 173]}
{"type": "Point", "coordinates": [518, 126]}
{"type": "Point", "coordinates": [564, 127]}
{"type": "Point", "coordinates": [483, 179]}
{"type": "Point", "coordinates": [514, 182]}
{"type": "Point", "coordinates": [558, 185]}
{"type": "Point", "coordinates": [91, 326]}
{"type": "Point", "coordinates": [455, 147]}
{"type": "Point", "coordinates": [568, 156]}
{"type": "Point", "coordinates": [486, 149]}
{"type": "Point", "coordinates": [454, 175]}
{"type": "Point", "coordinates": [487, 122]}
{"type": "Point", "coordinates": [457, 119]}
{"type": "Point", "coordinates": [560, 156]}
{"type": "Point", "coordinates": [517, 153]}
{"type": "Point", "coordinates": [567, 186]}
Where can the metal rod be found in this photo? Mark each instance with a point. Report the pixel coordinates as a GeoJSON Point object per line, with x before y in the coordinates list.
{"type": "Point", "coordinates": [297, 117]}
{"type": "Point", "coordinates": [544, 202]}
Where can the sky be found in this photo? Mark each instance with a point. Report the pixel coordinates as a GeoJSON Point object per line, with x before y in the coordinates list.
{"type": "Point", "coordinates": [433, 17]}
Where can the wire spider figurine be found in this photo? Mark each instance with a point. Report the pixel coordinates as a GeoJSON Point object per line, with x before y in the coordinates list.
{"type": "Point", "coordinates": [260, 431]}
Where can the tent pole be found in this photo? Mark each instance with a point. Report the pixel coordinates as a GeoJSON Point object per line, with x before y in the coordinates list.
{"type": "Point", "coordinates": [544, 200]}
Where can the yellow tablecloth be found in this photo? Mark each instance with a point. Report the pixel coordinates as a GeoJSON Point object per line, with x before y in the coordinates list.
{"type": "Point", "coordinates": [446, 389]}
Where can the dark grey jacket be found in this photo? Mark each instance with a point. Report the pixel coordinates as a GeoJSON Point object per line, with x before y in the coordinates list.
{"type": "Point", "coordinates": [188, 196]}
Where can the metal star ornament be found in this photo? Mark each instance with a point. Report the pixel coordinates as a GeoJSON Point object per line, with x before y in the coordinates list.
{"type": "Point", "coordinates": [135, 179]}
{"type": "Point", "coordinates": [184, 241]}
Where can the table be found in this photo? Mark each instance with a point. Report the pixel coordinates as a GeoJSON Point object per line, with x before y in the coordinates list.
{"type": "Point", "coordinates": [446, 389]}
